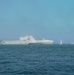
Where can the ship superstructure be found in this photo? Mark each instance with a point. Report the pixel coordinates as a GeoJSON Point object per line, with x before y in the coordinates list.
{"type": "Point", "coordinates": [28, 40]}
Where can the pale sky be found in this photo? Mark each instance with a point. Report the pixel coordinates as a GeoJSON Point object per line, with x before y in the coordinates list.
{"type": "Point", "coordinates": [49, 19]}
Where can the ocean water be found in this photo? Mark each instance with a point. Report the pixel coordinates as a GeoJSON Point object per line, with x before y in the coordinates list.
{"type": "Point", "coordinates": [36, 59]}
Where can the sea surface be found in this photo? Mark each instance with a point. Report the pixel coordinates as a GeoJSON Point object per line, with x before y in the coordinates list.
{"type": "Point", "coordinates": [37, 59]}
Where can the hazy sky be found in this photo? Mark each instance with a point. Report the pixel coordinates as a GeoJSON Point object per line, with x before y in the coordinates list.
{"type": "Point", "coordinates": [50, 19]}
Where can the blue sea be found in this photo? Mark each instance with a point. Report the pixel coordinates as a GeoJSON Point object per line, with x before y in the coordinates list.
{"type": "Point", "coordinates": [37, 59]}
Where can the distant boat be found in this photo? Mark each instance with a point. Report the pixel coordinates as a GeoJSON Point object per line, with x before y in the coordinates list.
{"type": "Point", "coordinates": [27, 40]}
{"type": "Point", "coordinates": [60, 41]}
